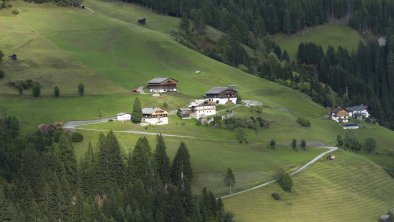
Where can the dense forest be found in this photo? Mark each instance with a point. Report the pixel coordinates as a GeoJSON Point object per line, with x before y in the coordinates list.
{"type": "Point", "coordinates": [363, 76]}
{"type": "Point", "coordinates": [44, 181]}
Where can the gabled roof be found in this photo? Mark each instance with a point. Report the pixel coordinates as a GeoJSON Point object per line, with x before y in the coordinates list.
{"type": "Point", "coordinates": [336, 110]}
{"type": "Point", "coordinates": [122, 114]}
{"type": "Point", "coordinates": [358, 108]}
{"type": "Point", "coordinates": [159, 80]}
{"type": "Point", "coordinates": [218, 90]}
{"type": "Point", "coordinates": [150, 110]}
{"type": "Point", "coordinates": [201, 102]}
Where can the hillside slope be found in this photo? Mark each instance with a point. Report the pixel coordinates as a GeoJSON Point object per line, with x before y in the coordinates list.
{"type": "Point", "coordinates": [349, 189]}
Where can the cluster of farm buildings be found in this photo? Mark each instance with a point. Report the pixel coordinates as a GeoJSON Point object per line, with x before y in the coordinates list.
{"type": "Point", "coordinates": [343, 116]}
{"type": "Point", "coordinates": [197, 109]}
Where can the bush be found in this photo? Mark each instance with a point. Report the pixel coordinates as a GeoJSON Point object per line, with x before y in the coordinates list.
{"type": "Point", "coordinates": [303, 122]}
{"type": "Point", "coordinates": [76, 137]}
{"type": "Point", "coordinates": [15, 12]}
{"type": "Point", "coordinates": [275, 196]}
{"type": "Point", "coordinates": [36, 90]}
{"type": "Point", "coordinates": [284, 180]}
{"type": "Point", "coordinates": [2, 74]}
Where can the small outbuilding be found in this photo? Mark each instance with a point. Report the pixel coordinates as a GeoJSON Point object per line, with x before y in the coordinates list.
{"type": "Point", "coordinates": [142, 21]}
{"type": "Point", "coordinates": [13, 57]}
{"type": "Point", "coordinates": [351, 126]}
{"type": "Point", "coordinates": [386, 218]}
{"type": "Point", "coordinates": [123, 117]}
{"type": "Point", "coordinates": [331, 157]}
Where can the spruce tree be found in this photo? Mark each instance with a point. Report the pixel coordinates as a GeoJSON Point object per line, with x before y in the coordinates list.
{"type": "Point", "coordinates": [181, 170]}
{"type": "Point", "coordinates": [139, 163]}
{"type": "Point", "coordinates": [68, 159]}
{"type": "Point", "coordinates": [136, 112]}
{"type": "Point", "coordinates": [229, 179]}
{"type": "Point", "coordinates": [56, 91]}
{"type": "Point", "coordinates": [161, 160]}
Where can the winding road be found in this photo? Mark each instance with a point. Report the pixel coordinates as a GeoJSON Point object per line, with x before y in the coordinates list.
{"type": "Point", "coordinates": [330, 150]}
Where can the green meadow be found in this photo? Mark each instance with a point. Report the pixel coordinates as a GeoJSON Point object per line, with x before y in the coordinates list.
{"type": "Point", "coordinates": [104, 48]}
{"type": "Point", "coordinates": [349, 189]}
{"type": "Point", "coordinates": [325, 35]}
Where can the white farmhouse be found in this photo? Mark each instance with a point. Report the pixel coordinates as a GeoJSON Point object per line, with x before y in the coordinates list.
{"type": "Point", "coordinates": [123, 117]}
{"type": "Point", "coordinates": [154, 116]}
{"type": "Point", "coordinates": [222, 95]}
{"type": "Point", "coordinates": [360, 111]}
{"type": "Point", "coordinates": [339, 115]}
{"type": "Point", "coordinates": [198, 109]}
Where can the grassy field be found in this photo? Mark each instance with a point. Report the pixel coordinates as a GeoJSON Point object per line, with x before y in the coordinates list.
{"type": "Point", "coordinates": [251, 163]}
{"type": "Point", "coordinates": [107, 51]}
{"type": "Point", "coordinates": [349, 189]}
{"type": "Point", "coordinates": [324, 35]}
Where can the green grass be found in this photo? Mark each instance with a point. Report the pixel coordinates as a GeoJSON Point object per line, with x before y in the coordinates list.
{"type": "Point", "coordinates": [324, 35]}
{"type": "Point", "coordinates": [109, 53]}
{"type": "Point", "coordinates": [348, 189]}
{"type": "Point", "coordinates": [251, 163]}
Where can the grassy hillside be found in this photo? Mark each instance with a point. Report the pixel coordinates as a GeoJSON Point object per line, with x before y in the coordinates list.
{"type": "Point", "coordinates": [350, 188]}
{"type": "Point", "coordinates": [325, 35]}
{"type": "Point", "coordinates": [252, 164]}
{"type": "Point", "coordinates": [105, 49]}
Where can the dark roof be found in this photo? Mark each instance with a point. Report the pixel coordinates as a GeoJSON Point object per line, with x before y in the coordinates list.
{"type": "Point", "coordinates": [218, 90]}
{"type": "Point", "coordinates": [358, 108]}
{"type": "Point", "coordinates": [159, 80]}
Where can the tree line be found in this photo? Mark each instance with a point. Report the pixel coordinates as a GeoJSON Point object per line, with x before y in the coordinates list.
{"type": "Point", "coordinates": [44, 181]}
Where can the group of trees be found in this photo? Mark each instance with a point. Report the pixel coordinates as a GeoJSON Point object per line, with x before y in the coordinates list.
{"type": "Point", "coordinates": [351, 142]}
{"type": "Point", "coordinates": [44, 181]}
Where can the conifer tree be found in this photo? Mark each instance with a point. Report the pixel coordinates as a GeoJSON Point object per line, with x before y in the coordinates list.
{"type": "Point", "coordinates": [136, 114]}
{"type": "Point", "coordinates": [68, 159]}
{"type": "Point", "coordinates": [161, 160]}
{"type": "Point", "coordinates": [139, 164]}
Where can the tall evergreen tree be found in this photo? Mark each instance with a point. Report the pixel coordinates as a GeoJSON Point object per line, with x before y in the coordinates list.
{"type": "Point", "coordinates": [136, 112]}
{"type": "Point", "coordinates": [67, 157]}
{"type": "Point", "coordinates": [161, 160]}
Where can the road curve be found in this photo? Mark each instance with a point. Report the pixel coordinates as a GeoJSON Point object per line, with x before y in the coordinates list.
{"type": "Point", "coordinates": [314, 160]}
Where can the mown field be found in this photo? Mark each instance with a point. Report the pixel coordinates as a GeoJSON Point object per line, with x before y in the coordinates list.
{"type": "Point", "coordinates": [349, 189]}
{"type": "Point", "coordinates": [324, 35]}
{"type": "Point", "coordinates": [106, 50]}
{"type": "Point", "coordinates": [252, 163]}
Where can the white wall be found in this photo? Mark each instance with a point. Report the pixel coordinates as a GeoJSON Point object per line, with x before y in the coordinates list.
{"type": "Point", "coordinates": [123, 118]}
{"type": "Point", "coordinates": [156, 121]}
{"type": "Point", "coordinates": [223, 101]}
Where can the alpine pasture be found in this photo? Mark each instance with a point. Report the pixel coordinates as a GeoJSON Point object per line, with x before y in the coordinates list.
{"type": "Point", "coordinates": [105, 49]}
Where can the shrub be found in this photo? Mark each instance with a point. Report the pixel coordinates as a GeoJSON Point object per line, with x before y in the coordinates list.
{"type": "Point", "coordinates": [15, 12]}
{"type": "Point", "coordinates": [275, 196]}
{"type": "Point", "coordinates": [284, 180]}
{"type": "Point", "coordinates": [303, 122]}
{"type": "Point", "coordinates": [36, 90]}
{"type": "Point", "coordinates": [2, 74]}
{"type": "Point", "coordinates": [76, 137]}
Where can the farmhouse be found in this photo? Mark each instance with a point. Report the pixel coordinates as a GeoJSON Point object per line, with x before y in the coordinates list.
{"type": "Point", "coordinates": [385, 218]}
{"type": "Point", "coordinates": [154, 116]}
{"type": "Point", "coordinates": [360, 111]}
{"type": "Point", "coordinates": [198, 109]}
{"type": "Point", "coordinates": [123, 117]}
{"type": "Point", "coordinates": [222, 95]}
{"type": "Point", "coordinates": [339, 115]}
{"type": "Point", "coordinates": [162, 85]}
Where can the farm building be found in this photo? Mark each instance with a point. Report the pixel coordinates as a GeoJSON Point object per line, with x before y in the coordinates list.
{"type": "Point", "coordinates": [162, 85]}
{"type": "Point", "coordinates": [13, 57]}
{"type": "Point", "coordinates": [197, 109]}
{"type": "Point", "coordinates": [350, 126]}
{"type": "Point", "coordinates": [154, 116]}
{"type": "Point", "coordinates": [222, 95]}
{"type": "Point", "coordinates": [360, 111]}
{"type": "Point", "coordinates": [339, 115]}
{"type": "Point", "coordinates": [385, 218]}
{"type": "Point", "coordinates": [123, 117]}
